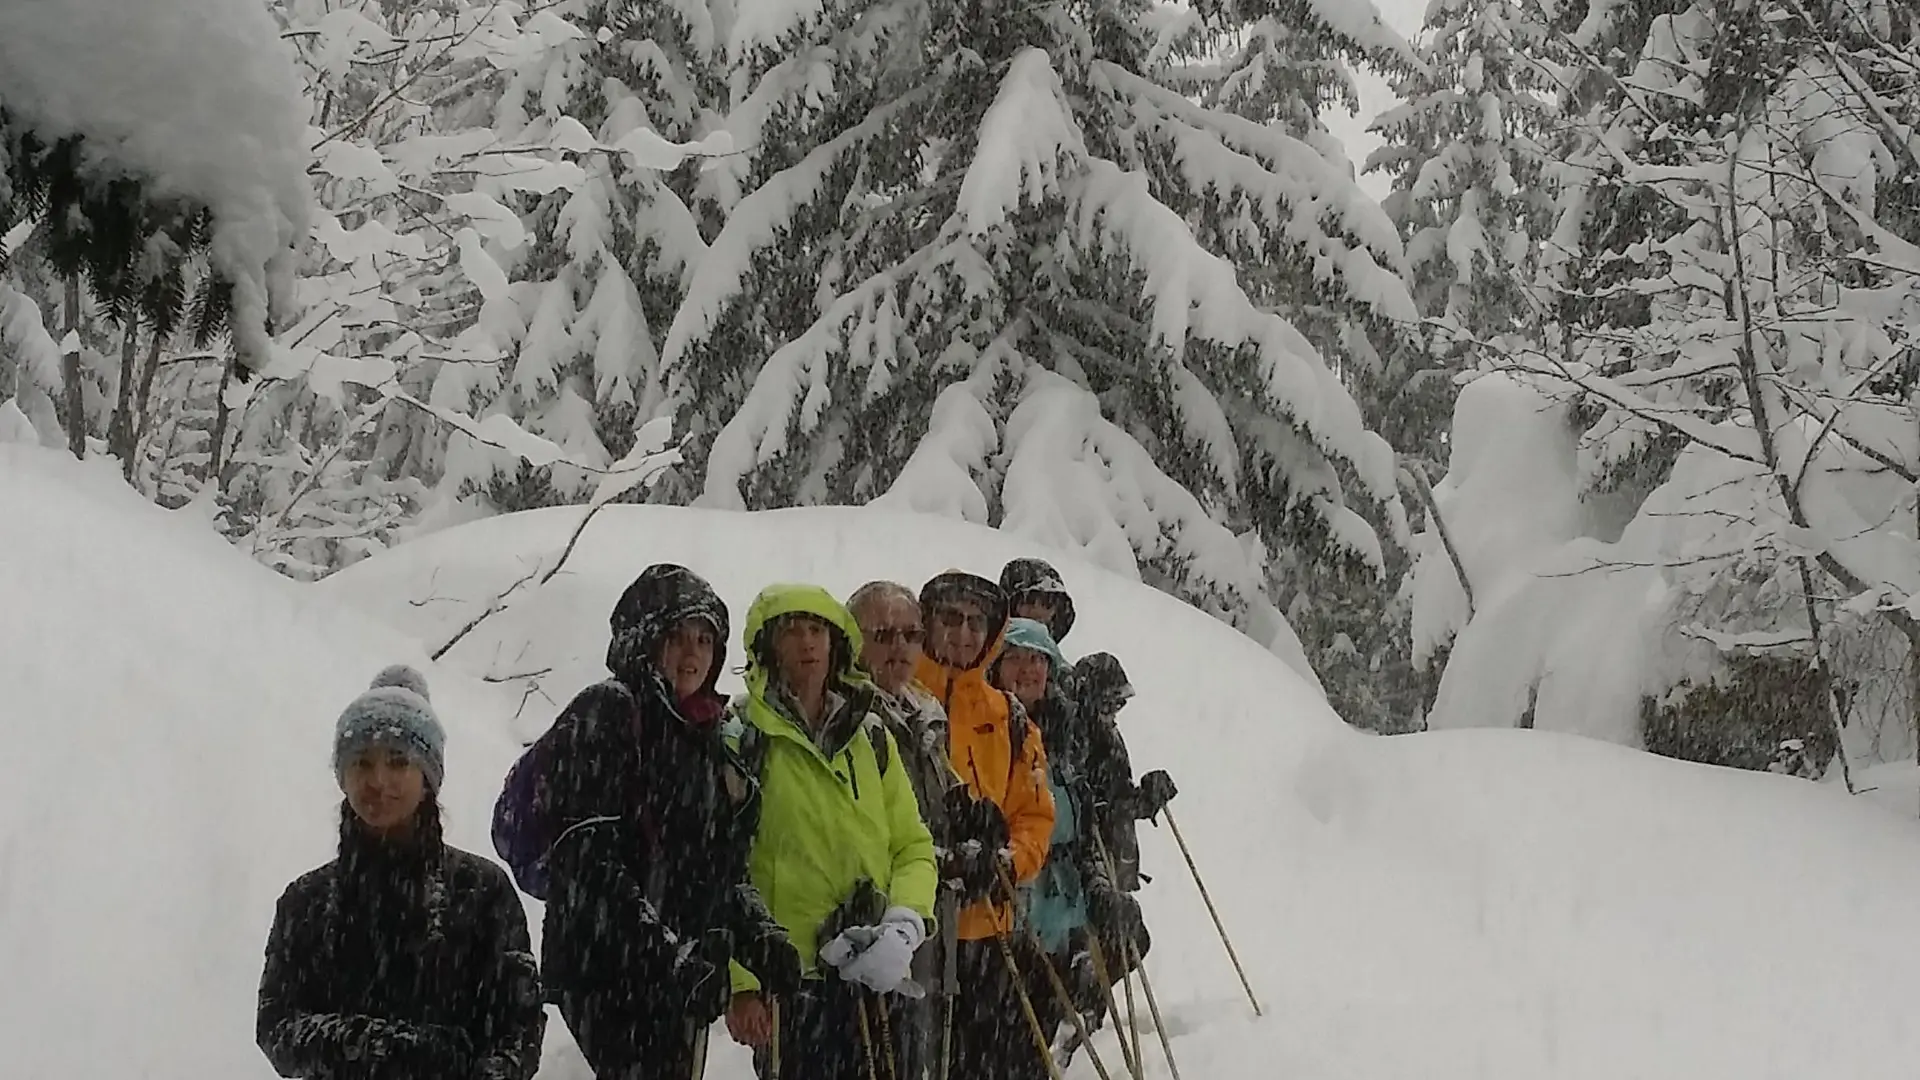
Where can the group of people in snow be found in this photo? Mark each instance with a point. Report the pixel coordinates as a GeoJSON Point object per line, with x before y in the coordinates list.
{"type": "Point", "coordinates": [907, 852]}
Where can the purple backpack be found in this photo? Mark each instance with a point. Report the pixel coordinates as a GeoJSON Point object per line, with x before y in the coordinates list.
{"type": "Point", "coordinates": [523, 827]}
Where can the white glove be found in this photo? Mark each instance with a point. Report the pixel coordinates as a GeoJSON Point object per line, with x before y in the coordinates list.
{"type": "Point", "coordinates": [880, 957]}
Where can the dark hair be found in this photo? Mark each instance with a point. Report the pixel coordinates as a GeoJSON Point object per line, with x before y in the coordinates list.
{"type": "Point", "coordinates": [840, 658]}
{"type": "Point", "coordinates": [427, 829]}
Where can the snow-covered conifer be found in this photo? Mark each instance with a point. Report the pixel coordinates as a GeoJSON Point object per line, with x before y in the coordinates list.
{"type": "Point", "coordinates": [968, 209]}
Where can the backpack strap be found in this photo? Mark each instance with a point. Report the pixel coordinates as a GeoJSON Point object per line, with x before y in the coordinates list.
{"type": "Point", "coordinates": [866, 705]}
{"type": "Point", "coordinates": [747, 742]}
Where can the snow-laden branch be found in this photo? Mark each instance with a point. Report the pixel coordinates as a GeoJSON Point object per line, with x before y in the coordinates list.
{"type": "Point", "coordinates": [196, 98]}
{"type": "Point", "coordinates": [1027, 143]}
{"type": "Point", "coordinates": [759, 219]}
{"type": "Point", "coordinates": [1194, 294]}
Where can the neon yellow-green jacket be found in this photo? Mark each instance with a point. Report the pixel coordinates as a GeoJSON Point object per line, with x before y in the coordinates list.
{"type": "Point", "coordinates": [828, 817]}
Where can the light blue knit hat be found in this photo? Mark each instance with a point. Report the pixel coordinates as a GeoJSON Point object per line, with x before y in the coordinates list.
{"type": "Point", "coordinates": [395, 711]}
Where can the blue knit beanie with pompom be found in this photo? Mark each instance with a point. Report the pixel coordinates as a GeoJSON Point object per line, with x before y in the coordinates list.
{"type": "Point", "coordinates": [395, 711]}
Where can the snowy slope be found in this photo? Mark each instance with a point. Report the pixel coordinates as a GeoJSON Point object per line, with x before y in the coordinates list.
{"type": "Point", "coordinates": [1482, 905]}
{"type": "Point", "coordinates": [1475, 905]}
{"type": "Point", "coordinates": [167, 713]}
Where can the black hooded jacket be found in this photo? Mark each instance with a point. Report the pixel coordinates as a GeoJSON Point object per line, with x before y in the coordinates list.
{"type": "Point", "coordinates": [1024, 577]}
{"type": "Point", "coordinates": [401, 962]}
{"type": "Point", "coordinates": [648, 893]}
{"type": "Point", "coordinates": [1103, 690]}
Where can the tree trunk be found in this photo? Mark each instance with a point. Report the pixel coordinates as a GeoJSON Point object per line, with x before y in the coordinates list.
{"type": "Point", "coordinates": [70, 374]}
{"type": "Point", "coordinates": [141, 420]}
{"type": "Point", "coordinates": [120, 431]}
{"type": "Point", "coordinates": [216, 452]}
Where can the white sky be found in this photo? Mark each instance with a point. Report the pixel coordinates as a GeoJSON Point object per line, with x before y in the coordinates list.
{"type": "Point", "coordinates": [1375, 95]}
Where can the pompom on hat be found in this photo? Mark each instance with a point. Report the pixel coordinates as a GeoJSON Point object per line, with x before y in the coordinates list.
{"type": "Point", "coordinates": [395, 711]}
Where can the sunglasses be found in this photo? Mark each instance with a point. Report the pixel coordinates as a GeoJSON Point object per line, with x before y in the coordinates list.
{"type": "Point", "coordinates": [890, 635]}
{"type": "Point", "coordinates": [954, 618]}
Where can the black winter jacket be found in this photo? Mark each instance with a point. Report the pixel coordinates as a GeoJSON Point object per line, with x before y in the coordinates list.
{"type": "Point", "coordinates": [395, 963]}
{"type": "Point", "coordinates": [650, 867]}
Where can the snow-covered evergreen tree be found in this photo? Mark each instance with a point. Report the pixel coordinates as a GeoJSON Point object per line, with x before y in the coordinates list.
{"type": "Point", "coordinates": [1737, 324]}
{"type": "Point", "coordinates": [401, 396]}
{"type": "Point", "coordinates": [138, 195]}
{"type": "Point", "coordinates": [609, 257]}
{"type": "Point", "coordinates": [1467, 152]}
{"type": "Point", "coordinates": [995, 262]}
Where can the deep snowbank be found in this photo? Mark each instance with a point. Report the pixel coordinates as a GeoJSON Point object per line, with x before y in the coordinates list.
{"type": "Point", "coordinates": [1485, 905]}
{"type": "Point", "coordinates": [1475, 905]}
{"type": "Point", "coordinates": [167, 710]}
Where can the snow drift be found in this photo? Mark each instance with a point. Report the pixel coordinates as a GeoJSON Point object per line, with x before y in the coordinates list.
{"type": "Point", "coordinates": [1487, 905]}
{"type": "Point", "coordinates": [168, 712]}
{"type": "Point", "coordinates": [1472, 905]}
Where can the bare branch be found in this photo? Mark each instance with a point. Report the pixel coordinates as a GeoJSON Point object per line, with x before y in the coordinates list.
{"type": "Point", "coordinates": [1416, 478]}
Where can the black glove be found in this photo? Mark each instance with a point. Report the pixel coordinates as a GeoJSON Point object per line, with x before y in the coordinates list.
{"type": "Point", "coordinates": [777, 966]}
{"type": "Point", "coordinates": [969, 818]}
{"type": "Point", "coordinates": [445, 1049]}
{"type": "Point", "coordinates": [700, 971]}
{"type": "Point", "coordinates": [1084, 991]}
{"type": "Point", "coordinates": [1156, 791]}
{"type": "Point", "coordinates": [1115, 914]}
{"type": "Point", "coordinates": [977, 869]}
{"type": "Point", "coordinates": [376, 1040]}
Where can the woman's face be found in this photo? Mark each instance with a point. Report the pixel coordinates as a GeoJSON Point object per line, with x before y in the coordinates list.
{"type": "Point", "coordinates": [959, 632]}
{"type": "Point", "coordinates": [385, 788]}
{"type": "Point", "coordinates": [1023, 673]}
{"type": "Point", "coordinates": [802, 646]}
{"type": "Point", "coordinates": [686, 656]}
{"type": "Point", "coordinates": [1039, 607]}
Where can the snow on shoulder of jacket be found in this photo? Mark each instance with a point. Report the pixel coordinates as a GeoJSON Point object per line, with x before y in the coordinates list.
{"type": "Point", "coordinates": [837, 805]}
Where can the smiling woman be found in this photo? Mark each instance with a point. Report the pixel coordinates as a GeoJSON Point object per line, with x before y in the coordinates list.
{"type": "Point", "coordinates": [404, 957]}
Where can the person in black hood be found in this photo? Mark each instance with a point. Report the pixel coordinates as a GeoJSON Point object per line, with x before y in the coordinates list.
{"type": "Point", "coordinates": [1035, 591]}
{"type": "Point", "coordinates": [404, 958]}
{"type": "Point", "coordinates": [648, 898]}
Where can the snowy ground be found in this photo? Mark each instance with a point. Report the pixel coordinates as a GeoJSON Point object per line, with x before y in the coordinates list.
{"type": "Point", "coordinates": [1476, 905]}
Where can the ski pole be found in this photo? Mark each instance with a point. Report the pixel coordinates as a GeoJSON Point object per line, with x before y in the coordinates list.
{"type": "Point", "coordinates": [1100, 971]}
{"type": "Point", "coordinates": [886, 1036]}
{"type": "Point", "coordinates": [946, 1040]}
{"type": "Point", "coordinates": [1003, 938]}
{"type": "Point", "coordinates": [1133, 1010]}
{"type": "Point", "coordinates": [1213, 911]}
{"type": "Point", "coordinates": [773, 1018]}
{"type": "Point", "coordinates": [1059, 991]}
{"type": "Point", "coordinates": [1131, 951]}
{"type": "Point", "coordinates": [1159, 1025]}
{"type": "Point", "coordinates": [866, 1037]}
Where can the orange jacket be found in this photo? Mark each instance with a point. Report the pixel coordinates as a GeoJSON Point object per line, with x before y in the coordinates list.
{"type": "Point", "coordinates": [979, 745]}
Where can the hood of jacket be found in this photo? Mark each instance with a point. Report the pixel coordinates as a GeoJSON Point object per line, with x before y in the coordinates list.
{"type": "Point", "coordinates": [844, 676]}
{"type": "Point", "coordinates": [1023, 576]}
{"type": "Point", "coordinates": [835, 811]}
{"type": "Point", "coordinates": [1028, 634]}
{"type": "Point", "coordinates": [1103, 684]}
{"type": "Point", "coordinates": [661, 598]}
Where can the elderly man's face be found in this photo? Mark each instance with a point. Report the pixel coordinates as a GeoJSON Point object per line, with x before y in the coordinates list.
{"type": "Point", "coordinates": [890, 627]}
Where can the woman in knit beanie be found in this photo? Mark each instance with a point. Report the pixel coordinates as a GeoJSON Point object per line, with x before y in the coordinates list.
{"type": "Point", "coordinates": [403, 958]}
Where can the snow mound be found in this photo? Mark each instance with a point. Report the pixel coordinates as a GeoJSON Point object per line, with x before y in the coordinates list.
{"type": "Point", "coordinates": [1486, 905]}
{"type": "Point", "coordinates": [1482, 905]}
{"type": "Point", "coordinates": [168, 709]}
{"type": "Point", "coordinates": [197, 97]}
